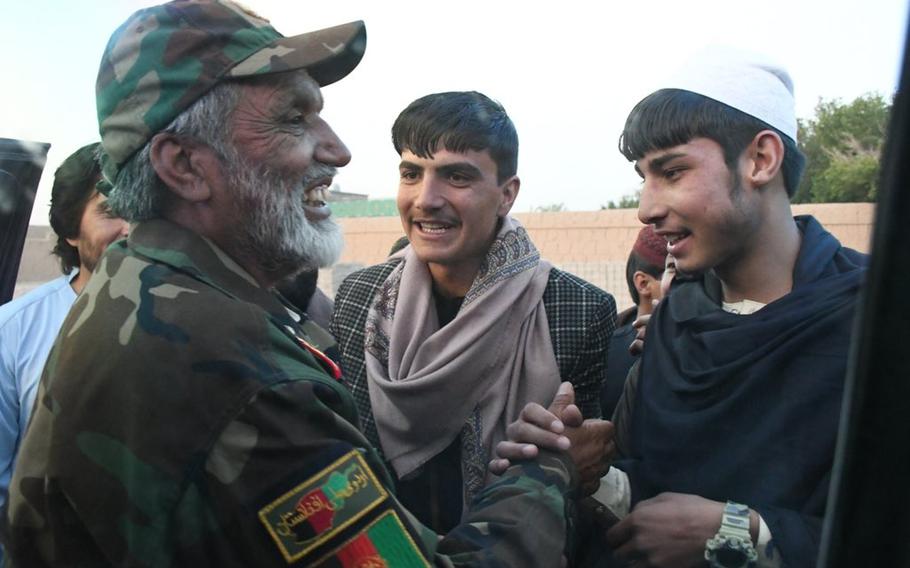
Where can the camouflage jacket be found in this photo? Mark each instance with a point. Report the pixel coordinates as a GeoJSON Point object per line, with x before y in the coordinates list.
{"type": "Point", "coordinates": [182, 421]}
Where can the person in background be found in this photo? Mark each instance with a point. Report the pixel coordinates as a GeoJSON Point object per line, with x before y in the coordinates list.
{"type": "Point", "coordinates": [302, 291]}
{"type": "Point", "coordinates": [84, 226]}
{"type": "Point", "coordinates": [644, 270]}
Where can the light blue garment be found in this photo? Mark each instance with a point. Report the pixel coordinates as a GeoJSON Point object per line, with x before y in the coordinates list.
{"type": "Point", "coordinates": [28, 327]}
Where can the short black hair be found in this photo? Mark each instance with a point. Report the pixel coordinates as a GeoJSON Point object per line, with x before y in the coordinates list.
{"type": "Point", "coordinates": [670, 117]}
{"type": "Point", "coordinates": [74, 186]}
{"type": "Point", "coordinates": [633, 265]}
{"type": "Point", "coordinates": [458, 121]}
{"type": "Point", "coordinates": [299, 288]}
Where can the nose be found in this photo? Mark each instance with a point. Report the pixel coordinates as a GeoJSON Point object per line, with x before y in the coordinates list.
{"type": "Point", "coordinates": [651, 208]}
{"type": "Point", "coordinates": [124, 230]}
{"type": "Point", "coordinates": [330, 149]}
{"type": "Point", "coordinates": [429, 195]}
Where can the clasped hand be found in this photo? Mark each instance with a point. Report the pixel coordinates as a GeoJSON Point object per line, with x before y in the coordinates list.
{"type": "Point", "coordinates": [560, 427]}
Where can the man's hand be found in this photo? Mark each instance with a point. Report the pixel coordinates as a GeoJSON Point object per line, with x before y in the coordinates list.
{"type": "Point", "coordinates": [592, 450]}
{"type": "Point", "coordinates": [641, 326]}
{"type": "Point", "coordinates": [669, 530]}
{"type": "Point", "coordinates": [538, 426]}
{"type": "Point", "coordinates": [559, 428]}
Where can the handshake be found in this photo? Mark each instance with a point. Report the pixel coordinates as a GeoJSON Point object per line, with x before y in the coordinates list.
{"type": "Point", "coordinates": [560, 427]}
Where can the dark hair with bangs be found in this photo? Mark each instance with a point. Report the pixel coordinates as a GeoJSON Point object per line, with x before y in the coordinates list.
{"type": "Point", "coordinates": [633, 265]}
{"type": "Point", "coordinates": [670, 117]}
{"type": "Point", "coordinates": [74, 185]}
{"type": "Point", "coordinates": [458, 122]}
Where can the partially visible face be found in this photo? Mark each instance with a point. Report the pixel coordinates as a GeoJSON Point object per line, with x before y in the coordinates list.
{"type": "Point", "coordinates": [450, 205]}
{"type": "Point", "coordinates": [697, 205]}
{"type": "Point", "coordinates": [285, 158]}
{"type": "Point", "coordinates": [98, 228]}
{"type": "Point", "coordinates": [666, 279]}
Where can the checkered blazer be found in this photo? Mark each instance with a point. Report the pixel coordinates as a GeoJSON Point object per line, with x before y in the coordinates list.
{"type": "Point", "coordinates": [581, 318]}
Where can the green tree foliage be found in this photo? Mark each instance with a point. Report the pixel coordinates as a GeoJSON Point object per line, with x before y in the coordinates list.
{"type": "Point", "coordinates": [625, 202]}
{"type": "Point", "coordinates": [843, 144]}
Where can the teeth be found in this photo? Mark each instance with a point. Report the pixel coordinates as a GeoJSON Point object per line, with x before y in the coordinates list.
{"type": "Point", "coordinates": [434, 227]}
{"type": "Point", "coordinates": [317, 195]}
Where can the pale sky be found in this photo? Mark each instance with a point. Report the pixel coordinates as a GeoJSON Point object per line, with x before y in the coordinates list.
{"type": "Point", "coordinates": [567, 72]}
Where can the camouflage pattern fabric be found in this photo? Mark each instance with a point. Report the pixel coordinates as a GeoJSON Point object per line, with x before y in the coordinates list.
{"type": "Point", "coordinates": [165, 57]}
{"type": "Point", "coordinates": [180, 422]}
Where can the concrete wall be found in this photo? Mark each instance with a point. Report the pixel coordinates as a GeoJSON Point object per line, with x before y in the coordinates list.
{"type": "Point", "coordinates": [592, 244]}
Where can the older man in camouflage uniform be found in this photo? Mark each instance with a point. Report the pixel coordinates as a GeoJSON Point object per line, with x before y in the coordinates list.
{"type": "Point", "coordinates": [185, 418]}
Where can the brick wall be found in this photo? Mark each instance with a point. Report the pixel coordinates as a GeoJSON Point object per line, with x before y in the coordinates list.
{"type": "Point", "coordinates": [592, 244]}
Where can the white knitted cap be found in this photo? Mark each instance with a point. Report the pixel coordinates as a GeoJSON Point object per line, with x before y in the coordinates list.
{"type": "Point", "coordinates": [745, 81]}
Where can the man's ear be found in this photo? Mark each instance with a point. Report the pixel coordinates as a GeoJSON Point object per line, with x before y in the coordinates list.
{"type": "Point", "coordinates": [509, 194]}
{"type": "Point", "coordinates": [642, 282]}
{"type": "Point", "coordinates": [765, 156]}
{"type": "Point", "coordinates": [182, 166]}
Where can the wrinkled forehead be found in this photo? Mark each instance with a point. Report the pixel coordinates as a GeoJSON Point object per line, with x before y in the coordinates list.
{"type": "Point", "coordinates": [294, 88]}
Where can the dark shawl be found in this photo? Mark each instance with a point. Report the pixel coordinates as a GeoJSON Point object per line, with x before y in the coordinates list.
{"type": "Point", "coordinates": [746, 407]}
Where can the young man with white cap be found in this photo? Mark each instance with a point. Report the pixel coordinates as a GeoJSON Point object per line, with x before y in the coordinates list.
{"type": "Point", "coordinates": [745, 368]}
{"type": "Point", "coordinates": [734, 424]}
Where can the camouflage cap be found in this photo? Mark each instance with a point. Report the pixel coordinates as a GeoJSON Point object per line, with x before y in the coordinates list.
{"type": "Point", "coordinates": [164, 58]}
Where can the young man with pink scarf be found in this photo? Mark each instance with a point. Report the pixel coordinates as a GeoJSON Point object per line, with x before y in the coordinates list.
{"type": "Point", "coordinates": [445, 342]}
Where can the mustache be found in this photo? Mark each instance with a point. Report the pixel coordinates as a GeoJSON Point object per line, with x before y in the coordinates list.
{"type": "Point", "coordinates": [317, 171]}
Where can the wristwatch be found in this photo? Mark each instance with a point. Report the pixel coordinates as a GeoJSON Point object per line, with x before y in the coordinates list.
{"type": "Point", "coordinates": [732, 547]}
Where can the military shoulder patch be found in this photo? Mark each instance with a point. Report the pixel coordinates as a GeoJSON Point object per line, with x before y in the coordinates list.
{"type": "Point", "coordinates": [313, 512]}
{"type": "Point", "coordinates": [381, 544]}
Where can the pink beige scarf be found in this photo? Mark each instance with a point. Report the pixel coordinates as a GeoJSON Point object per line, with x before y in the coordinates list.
{"type": "Point", "coordinates": [473, 376]}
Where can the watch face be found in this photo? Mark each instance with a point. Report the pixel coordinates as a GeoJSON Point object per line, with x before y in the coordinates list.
{"type": "Point", "coordinates": [729, 552]}
{"type": "Point", "coordinates": [731, 557]}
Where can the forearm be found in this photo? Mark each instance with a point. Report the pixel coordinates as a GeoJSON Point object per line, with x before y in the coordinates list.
{"type": "Point", "coordinates": [520, 520]}
{"type": "Point", "coordinates": [613, 503]}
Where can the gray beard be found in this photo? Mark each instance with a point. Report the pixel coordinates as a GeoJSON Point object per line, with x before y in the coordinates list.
{"type": "Point", "coordinates": [271, 225]}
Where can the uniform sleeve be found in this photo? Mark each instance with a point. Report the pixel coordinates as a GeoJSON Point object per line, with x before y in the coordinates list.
{"type": "Point", "coordinates": [289, 481]}
{"type": "Point", "coordinates": [590, 371]}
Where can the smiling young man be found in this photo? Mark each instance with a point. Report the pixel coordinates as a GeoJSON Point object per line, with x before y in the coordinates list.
{"type": "Point", "coordinates": [185, 417]}
{"type": "Point", "coordinates": [734, 423]}
{"type": "Point", "coordinates": [732, 430]}
{"type": "Point", "coordinates": [443, 344]}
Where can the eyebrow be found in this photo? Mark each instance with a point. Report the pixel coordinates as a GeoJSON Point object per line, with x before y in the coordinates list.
{"type": "Point", "coordinates": [460, 167]}
{"type": "Point", "coordinates": [464, 168]}
{"type": "Point", "coordinates": [409, 165]}
{"type": "Point", "coordinates": [307, 101]}
{"type": "Point", "coordinates": [300, 96]}
{"type": "Point", "coordinates": [658, 163]}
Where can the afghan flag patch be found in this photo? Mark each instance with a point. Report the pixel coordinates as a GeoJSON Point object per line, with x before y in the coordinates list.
{"type": "Point", "coordinates": [322, 506]}
{"type": "Point", "coordinates": [383, 543]}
